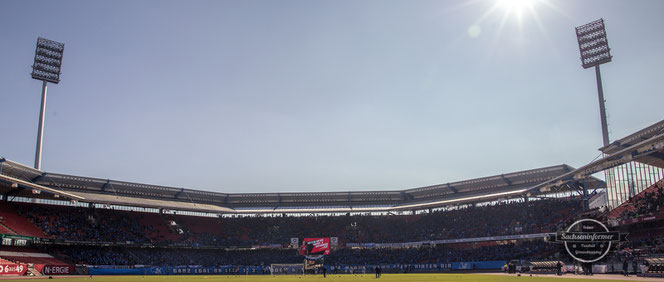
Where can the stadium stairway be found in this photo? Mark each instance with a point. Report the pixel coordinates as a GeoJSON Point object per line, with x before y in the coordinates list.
{"type": "Point", "coordinates": [33, 272]}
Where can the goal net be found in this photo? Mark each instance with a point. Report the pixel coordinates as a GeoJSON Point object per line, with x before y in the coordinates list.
{"type": "Point", "coordinates": [286, 268]}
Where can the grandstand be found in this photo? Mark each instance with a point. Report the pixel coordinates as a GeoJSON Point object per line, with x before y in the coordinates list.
{"type": "Point", "coordinates": [117, 227]}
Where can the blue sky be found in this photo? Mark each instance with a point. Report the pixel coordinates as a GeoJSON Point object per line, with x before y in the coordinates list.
{"type": "Point", "coordinates": [256, 96]}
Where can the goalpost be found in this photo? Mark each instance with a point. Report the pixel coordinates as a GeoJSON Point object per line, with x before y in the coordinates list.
{"type": "Point", "coordinates": [286, 268]}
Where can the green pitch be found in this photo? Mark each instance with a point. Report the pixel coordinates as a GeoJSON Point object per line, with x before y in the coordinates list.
{"type": "Point", "coordinates": [319, 278]}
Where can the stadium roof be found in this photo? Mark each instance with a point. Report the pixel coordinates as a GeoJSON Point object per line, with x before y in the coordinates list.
{"type": "Point", "coordinates": [645, 146]}
{"type": "Point", "coordinates": [24, 181]}
{"type": "Point", "coordinates": [654, 158]}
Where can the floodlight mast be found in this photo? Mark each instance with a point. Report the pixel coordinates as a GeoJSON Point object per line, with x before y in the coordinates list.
{"type": "Point", "coordinates": [46, 67]}
{"type": "Point", "coordinates": [594, 49]}
{"type": "Point", "coordinates": [40, 129]}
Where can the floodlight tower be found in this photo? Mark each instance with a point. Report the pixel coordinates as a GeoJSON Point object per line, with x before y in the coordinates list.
{"type": "Point", "coordinates": [594, 49]}
{"type": "Point", "coordinates": [48, 60]}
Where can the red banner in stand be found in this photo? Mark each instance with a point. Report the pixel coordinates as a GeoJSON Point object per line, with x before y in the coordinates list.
{"type": "Point", "coordinates": [13, 269]}
{"type": "Point", "coordinates": [315, 246]}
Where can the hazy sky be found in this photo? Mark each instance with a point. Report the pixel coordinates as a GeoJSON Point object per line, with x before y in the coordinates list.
{"type": "Point", "coordinates": [255, 96]}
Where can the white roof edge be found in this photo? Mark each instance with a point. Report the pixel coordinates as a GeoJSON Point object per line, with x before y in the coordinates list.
{"type": "Point", "coordinates": [40, 187]}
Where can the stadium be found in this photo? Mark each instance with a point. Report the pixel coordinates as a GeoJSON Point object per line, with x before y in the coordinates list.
{"type": "Point", "coordinates": [64, 224]}
{"type": "Point", "coordinates": [603, 219]}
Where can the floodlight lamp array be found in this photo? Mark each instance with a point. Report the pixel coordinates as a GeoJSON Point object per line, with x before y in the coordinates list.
{"type": "Point", "coordinates": [593, 45]}
{"type": "Point", "coordinates": [48, 59]}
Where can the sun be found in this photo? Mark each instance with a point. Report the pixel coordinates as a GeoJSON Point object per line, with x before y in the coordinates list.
{"type": "Point", "coordinates": [515, 8]}
{"type": "Point", "coordinates": [515, 5]}
{"type": "Point", "coordinates": [520, 17]}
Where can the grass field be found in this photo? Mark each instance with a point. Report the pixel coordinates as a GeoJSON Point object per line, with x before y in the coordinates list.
{"type": "Point", "coordinates": [344, 278]}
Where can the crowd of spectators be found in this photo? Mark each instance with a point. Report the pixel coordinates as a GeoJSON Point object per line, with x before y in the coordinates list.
{"type": "Point", "coordinates": [492, 220]}
{"type": "Point", "coordinates": [651, 201]}
{"type": "Point", "coordinates": [85, 224]}
{"type": "Point", "coordinates": [93, 255]}
{"type": "Point", "coordinates": [534, 250]}
{"type": "Point", "coordinates": [171, 239]}
{"type": "Point", "coordinates": [165, 256]}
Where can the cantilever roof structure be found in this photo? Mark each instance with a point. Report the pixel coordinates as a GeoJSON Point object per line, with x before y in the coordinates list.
{"type": "Point", "coordinates": [645, 146]}
{"type": "Point", "coordinates": [21, 180]}
{"type": "Point", "coordinates": [654, 158]}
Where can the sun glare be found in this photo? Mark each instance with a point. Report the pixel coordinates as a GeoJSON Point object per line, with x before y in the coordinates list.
{"type": "Point", "coordinates": [515, 10]}
{"type": "Point", "coordinates": [515, 7]}
{"type": "Point", "coordinates": [518, 16]}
